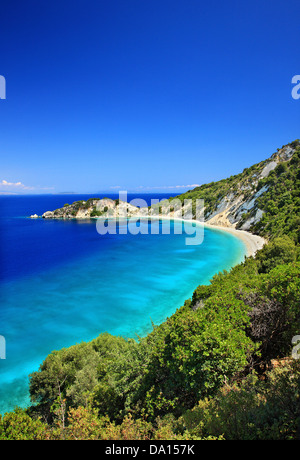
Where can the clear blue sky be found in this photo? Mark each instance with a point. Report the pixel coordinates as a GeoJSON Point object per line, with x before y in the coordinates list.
{"type": "Point", "coordinates": [143, 94]}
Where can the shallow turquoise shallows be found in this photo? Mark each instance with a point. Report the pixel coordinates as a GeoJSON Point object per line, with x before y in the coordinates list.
{"type": "Point", "coordinates": [113, 283]}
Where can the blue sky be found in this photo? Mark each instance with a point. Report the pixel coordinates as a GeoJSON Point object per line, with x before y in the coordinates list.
{"type": "Point", "coordinates": [149, 95]}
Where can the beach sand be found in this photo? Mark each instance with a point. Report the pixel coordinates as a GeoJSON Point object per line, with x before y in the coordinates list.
{"type": "Point", "coordinates": [252, 242]}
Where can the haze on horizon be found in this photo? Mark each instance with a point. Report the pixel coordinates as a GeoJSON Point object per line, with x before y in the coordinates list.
{"type": "Point", "coordinates": [157, 96]}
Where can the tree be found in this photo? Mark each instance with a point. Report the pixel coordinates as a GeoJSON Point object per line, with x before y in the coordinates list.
{"type": "Point", "coordinates": [18, 425]}
{"type": "Point", "coordinates": [279, 251]}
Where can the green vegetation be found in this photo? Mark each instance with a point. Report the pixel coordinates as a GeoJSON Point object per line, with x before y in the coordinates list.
{"type": "Point", "coordinates": [96, 213]}
{"type": "Point", "coordinates": [281, 202]}
{"type": "Point", "coordinates": [219, 368]}
{"type": "Point", "coordinates": [214, 192]}
{"type": "Point", "coordinates": [72, 209]}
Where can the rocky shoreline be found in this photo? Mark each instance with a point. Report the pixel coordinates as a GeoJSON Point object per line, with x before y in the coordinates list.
{"type": "Point", "coordinates": [92, 208]}
{"type": "Point", "coordinates": [107, 208]}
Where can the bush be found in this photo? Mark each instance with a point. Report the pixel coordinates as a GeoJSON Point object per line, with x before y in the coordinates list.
{"type": "Point", "coordinates": [279, 251]}
{"type": "Point", "coordinates": [253, 410]}
{"type": "Point", "coordinates": [18, 425]}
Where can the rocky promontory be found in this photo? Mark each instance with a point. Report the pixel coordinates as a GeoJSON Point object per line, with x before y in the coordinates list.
{"type": "Point", "coordinates": [92, 208]}
{"type": "Point", "coordinates": [107, 208]}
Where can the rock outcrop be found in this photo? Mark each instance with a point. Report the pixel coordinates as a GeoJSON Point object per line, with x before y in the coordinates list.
{"type": "Point", "coordinates": [92, 208]}
{"type": "Point", "coordinates": [239, 207]}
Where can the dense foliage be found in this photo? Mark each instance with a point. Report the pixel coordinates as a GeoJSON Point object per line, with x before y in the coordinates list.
{"type": "Point", "coordinates": [281, 202]}
{"type": "Point", "coordinates": [219, 368]}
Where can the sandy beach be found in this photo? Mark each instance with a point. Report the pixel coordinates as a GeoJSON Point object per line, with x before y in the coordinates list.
{"type": "Point", "coordinates": [252, 242]}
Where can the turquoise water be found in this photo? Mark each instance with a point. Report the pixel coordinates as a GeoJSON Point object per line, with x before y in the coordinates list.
{"type": "Point", "coordinates": [118, 284]}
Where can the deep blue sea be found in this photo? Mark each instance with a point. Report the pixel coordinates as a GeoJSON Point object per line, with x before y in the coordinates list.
{"type": "Point", "coordinates": [62, 283]}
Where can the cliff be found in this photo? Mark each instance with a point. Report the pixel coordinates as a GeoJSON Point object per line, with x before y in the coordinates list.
{"type": "Point", "coordinates": [250, 200]}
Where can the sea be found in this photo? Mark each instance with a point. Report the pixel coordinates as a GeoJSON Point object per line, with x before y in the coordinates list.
{"type": "Point", "coordinates": [62, 282]}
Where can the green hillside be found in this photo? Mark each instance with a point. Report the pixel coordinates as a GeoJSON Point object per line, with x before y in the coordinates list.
{"type": "Point", "coordinates": [222, 367]}
{"type": "Point", "coordinates": [279, 200]}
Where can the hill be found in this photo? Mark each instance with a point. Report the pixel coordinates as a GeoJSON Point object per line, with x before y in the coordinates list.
{"type": "Point", "coordinates": [263, 199]}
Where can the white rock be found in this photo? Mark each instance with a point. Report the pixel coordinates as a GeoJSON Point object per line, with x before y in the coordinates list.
{"type": "Point", "coordinates": [47, 215]}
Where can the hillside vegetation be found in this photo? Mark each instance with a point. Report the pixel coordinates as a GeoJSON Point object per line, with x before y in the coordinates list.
{"type": "Point", "coordinates": [264, 198]}
{"type": "Point", "coordinates": [222, 367]}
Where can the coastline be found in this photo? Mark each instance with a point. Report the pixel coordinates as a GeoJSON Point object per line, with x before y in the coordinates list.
{"type": "Point", "coordinates": [220, 222]}
{"type": "Point", "coordinates": [253, 243]}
